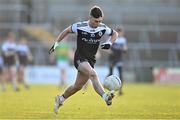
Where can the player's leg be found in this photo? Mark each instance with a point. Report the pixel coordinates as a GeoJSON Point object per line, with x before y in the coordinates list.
{"type": "Point", "coordinates": [62, 65]}
{"type": "Point", "coordinates": [63, 74]}
{"type": "Point", "coordinates": [5, 77]}
{"type": "Point", "coordinates": [2, 82]}
{"type": "Point", "coordinates": [21, 71]}
{"type": "Point", "coordinates": [13, 77]}
{"type": "Point", "coordinates": [80, 81]}
{"type": "Point", "coordinates": [111, 67]}
{"type": "Point", "coordinates": [121, 78]}
{"type": "Point", "coordinates": [87, 69]}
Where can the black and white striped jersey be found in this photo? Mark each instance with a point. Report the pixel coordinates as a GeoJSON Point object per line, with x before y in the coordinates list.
{"type": "Point", "coordinates": [22, 50]}
{"type": "Point", "coordinates": [88, 38]}
{"type": "Point", "coordinates": [9, 47]}
{"type": "Point", "coordinates": [1, 62]}
{"type": "Point", "coordinates": [9, 53]}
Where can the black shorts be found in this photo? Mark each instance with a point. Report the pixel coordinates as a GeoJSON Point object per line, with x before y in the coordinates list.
{"type": "Point", "coordinates": [1, 69]}
{"type": "Point", "coordinates": [23, 60]}
{"type": "Point", "coordinates": [79, 59]}
{"type": "Point", "coordinates": [9, 61]}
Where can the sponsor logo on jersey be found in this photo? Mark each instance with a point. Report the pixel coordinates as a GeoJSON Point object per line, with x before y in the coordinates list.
{"type": "Point", "coordinates": [84, 33]}
{"type": "Point", "coordinates": [91, 41]}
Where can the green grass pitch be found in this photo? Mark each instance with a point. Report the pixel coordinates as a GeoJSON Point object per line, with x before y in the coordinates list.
{"type": "Point", "coordinates": [140, 101]}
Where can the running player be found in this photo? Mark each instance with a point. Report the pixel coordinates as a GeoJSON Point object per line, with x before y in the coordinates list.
{"type": "Point", "coordinates": [116, 56]}
{"type": "Point", "coordinates": [2, 83]}
{"type": "Point", "coordinates": [63, 57]}
{"type": "Point", "coordinates": [88, 40]}
{"type": "Point", "coordinates": [24, 56]}
{"type": "Point", "coordinates": [9, 58]}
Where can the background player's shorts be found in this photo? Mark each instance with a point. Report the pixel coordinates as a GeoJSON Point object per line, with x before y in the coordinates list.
{"type": "Point", "coordinates": [79, 59]}
{"type": "Point", "coordinates": [9, 61]}
{"type": "Point", "coordinates": [23, 60]}
{"type": "Point", "coordinates": [62, 64]}
{"type": "Point", "coordinates": [1, 69]}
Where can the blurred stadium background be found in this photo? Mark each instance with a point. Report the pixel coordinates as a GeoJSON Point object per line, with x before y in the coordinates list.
{"type": "Point", "coordinates": [152, 29]}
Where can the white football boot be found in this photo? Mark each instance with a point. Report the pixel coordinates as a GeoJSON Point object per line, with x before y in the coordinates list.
{"type": "Point", "coordinates": [58, 103]}
{"type": "Point", "coordinates": [109, 96]}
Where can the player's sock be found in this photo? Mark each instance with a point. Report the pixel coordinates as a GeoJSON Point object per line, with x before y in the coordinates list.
{"type": "Point", "coordinates": [61, 98]}
{"type": "Point", "coordinates": [104, 96]}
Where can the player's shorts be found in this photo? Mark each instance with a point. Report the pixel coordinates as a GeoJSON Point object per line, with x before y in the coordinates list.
{"type": "Point", "coordinates": [9, 61]}
{"type": "Point", "coordinates": [79, 59]}
{"type": "Point", "coordinates": [62, 64]}
{"type": "Point", "coordinates": [23, 60]}
{"type": "Point", "coordinates": [1, 69]}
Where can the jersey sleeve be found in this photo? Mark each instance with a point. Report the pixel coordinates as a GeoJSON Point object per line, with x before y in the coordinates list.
{"type": "Point", "coordinates": [109, 31]}
{"type": "Point", "coordinates": [4, 47]}
{"type": "Point", "coordinates": [125, 40]}
{"type": "Point", "coordinates": [74, 28]}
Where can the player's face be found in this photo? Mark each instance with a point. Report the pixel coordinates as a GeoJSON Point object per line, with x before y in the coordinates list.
{"type": "Point", "coordinates": [94, 22]}
{"type": "Point", "coordinates": [11, 37]}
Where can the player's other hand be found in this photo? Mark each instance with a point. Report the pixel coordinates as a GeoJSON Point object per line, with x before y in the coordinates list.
{"type": "Point", "coordinates": [53, 47]}
{"type": "Point", "coordinates": [106, 45]}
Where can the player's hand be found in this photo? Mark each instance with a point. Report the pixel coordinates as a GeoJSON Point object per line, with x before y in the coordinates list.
{"type": "Point", "coordinates": [106, 45]}
{"type": "Point", "coordinates": [53, 47]}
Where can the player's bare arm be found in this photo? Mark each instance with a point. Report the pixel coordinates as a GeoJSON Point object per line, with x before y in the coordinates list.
{"type": "Point", "coordinates": [108, 44]}
{"type": "Point", "coordinates": [61, 36]}
{"type": "Point", "coordinates": [64, 33]}
{"type": "Point", "coordinates": [114, 36]}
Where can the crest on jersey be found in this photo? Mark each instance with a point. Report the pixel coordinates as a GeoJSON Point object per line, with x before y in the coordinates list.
{"type": "Point", "coordinates": [92, 35]}
{"type": "Point", "coordinates": [100, 33]}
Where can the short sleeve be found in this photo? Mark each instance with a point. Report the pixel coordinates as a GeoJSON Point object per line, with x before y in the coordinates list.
{"type": "Point", "coordinates": [74, 28]}
{"type": "Point", "coordinates": [125, 40]}
{"type": "Point", "coordinates": [109, 31]}
{"type": "Point", "coordinates": [4, 47]}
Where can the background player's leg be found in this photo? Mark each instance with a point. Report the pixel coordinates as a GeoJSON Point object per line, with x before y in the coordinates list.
{"type": "Point", "coordinates": [2, 81]}
{"type": "Point", "coordinates": [22, 80]}
{"type": "Point", "coordinates": [110, 69]}
{"type": "Point", "coordinates": [121, 77]}
{"type": "Point", "coordinates": [13, 75]}
{"type": "Point", "coordinates": [62, 79]}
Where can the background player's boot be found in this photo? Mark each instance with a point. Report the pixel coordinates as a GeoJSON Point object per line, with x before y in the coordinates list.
{"type": "Point", "coordinates": [57, 104]}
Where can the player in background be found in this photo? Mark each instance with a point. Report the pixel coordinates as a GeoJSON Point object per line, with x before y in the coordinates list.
{"type": "Point", "coordinates": [63, 57]}
{"type": "Point", "coordinates": [116, 54]}
{"type": "Point", "coordinates": [88, 40]}
{"type": "Point", "coordinates": [2, 82]}
{"type": "Point", "coordinates": [10, 59]}
{"type": "Point", "coordinates": [24, 57]}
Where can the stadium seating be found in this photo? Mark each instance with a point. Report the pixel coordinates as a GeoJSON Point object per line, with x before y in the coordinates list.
{"type": "Point", "coordinates": [152, 28]}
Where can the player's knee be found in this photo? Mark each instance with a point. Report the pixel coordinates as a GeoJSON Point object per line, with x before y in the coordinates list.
{"type": "Point", "coordinates": [93, 75]}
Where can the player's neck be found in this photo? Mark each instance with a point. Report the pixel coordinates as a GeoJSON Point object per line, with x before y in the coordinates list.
{"type": "Point", "coordinates": [90, 25]}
